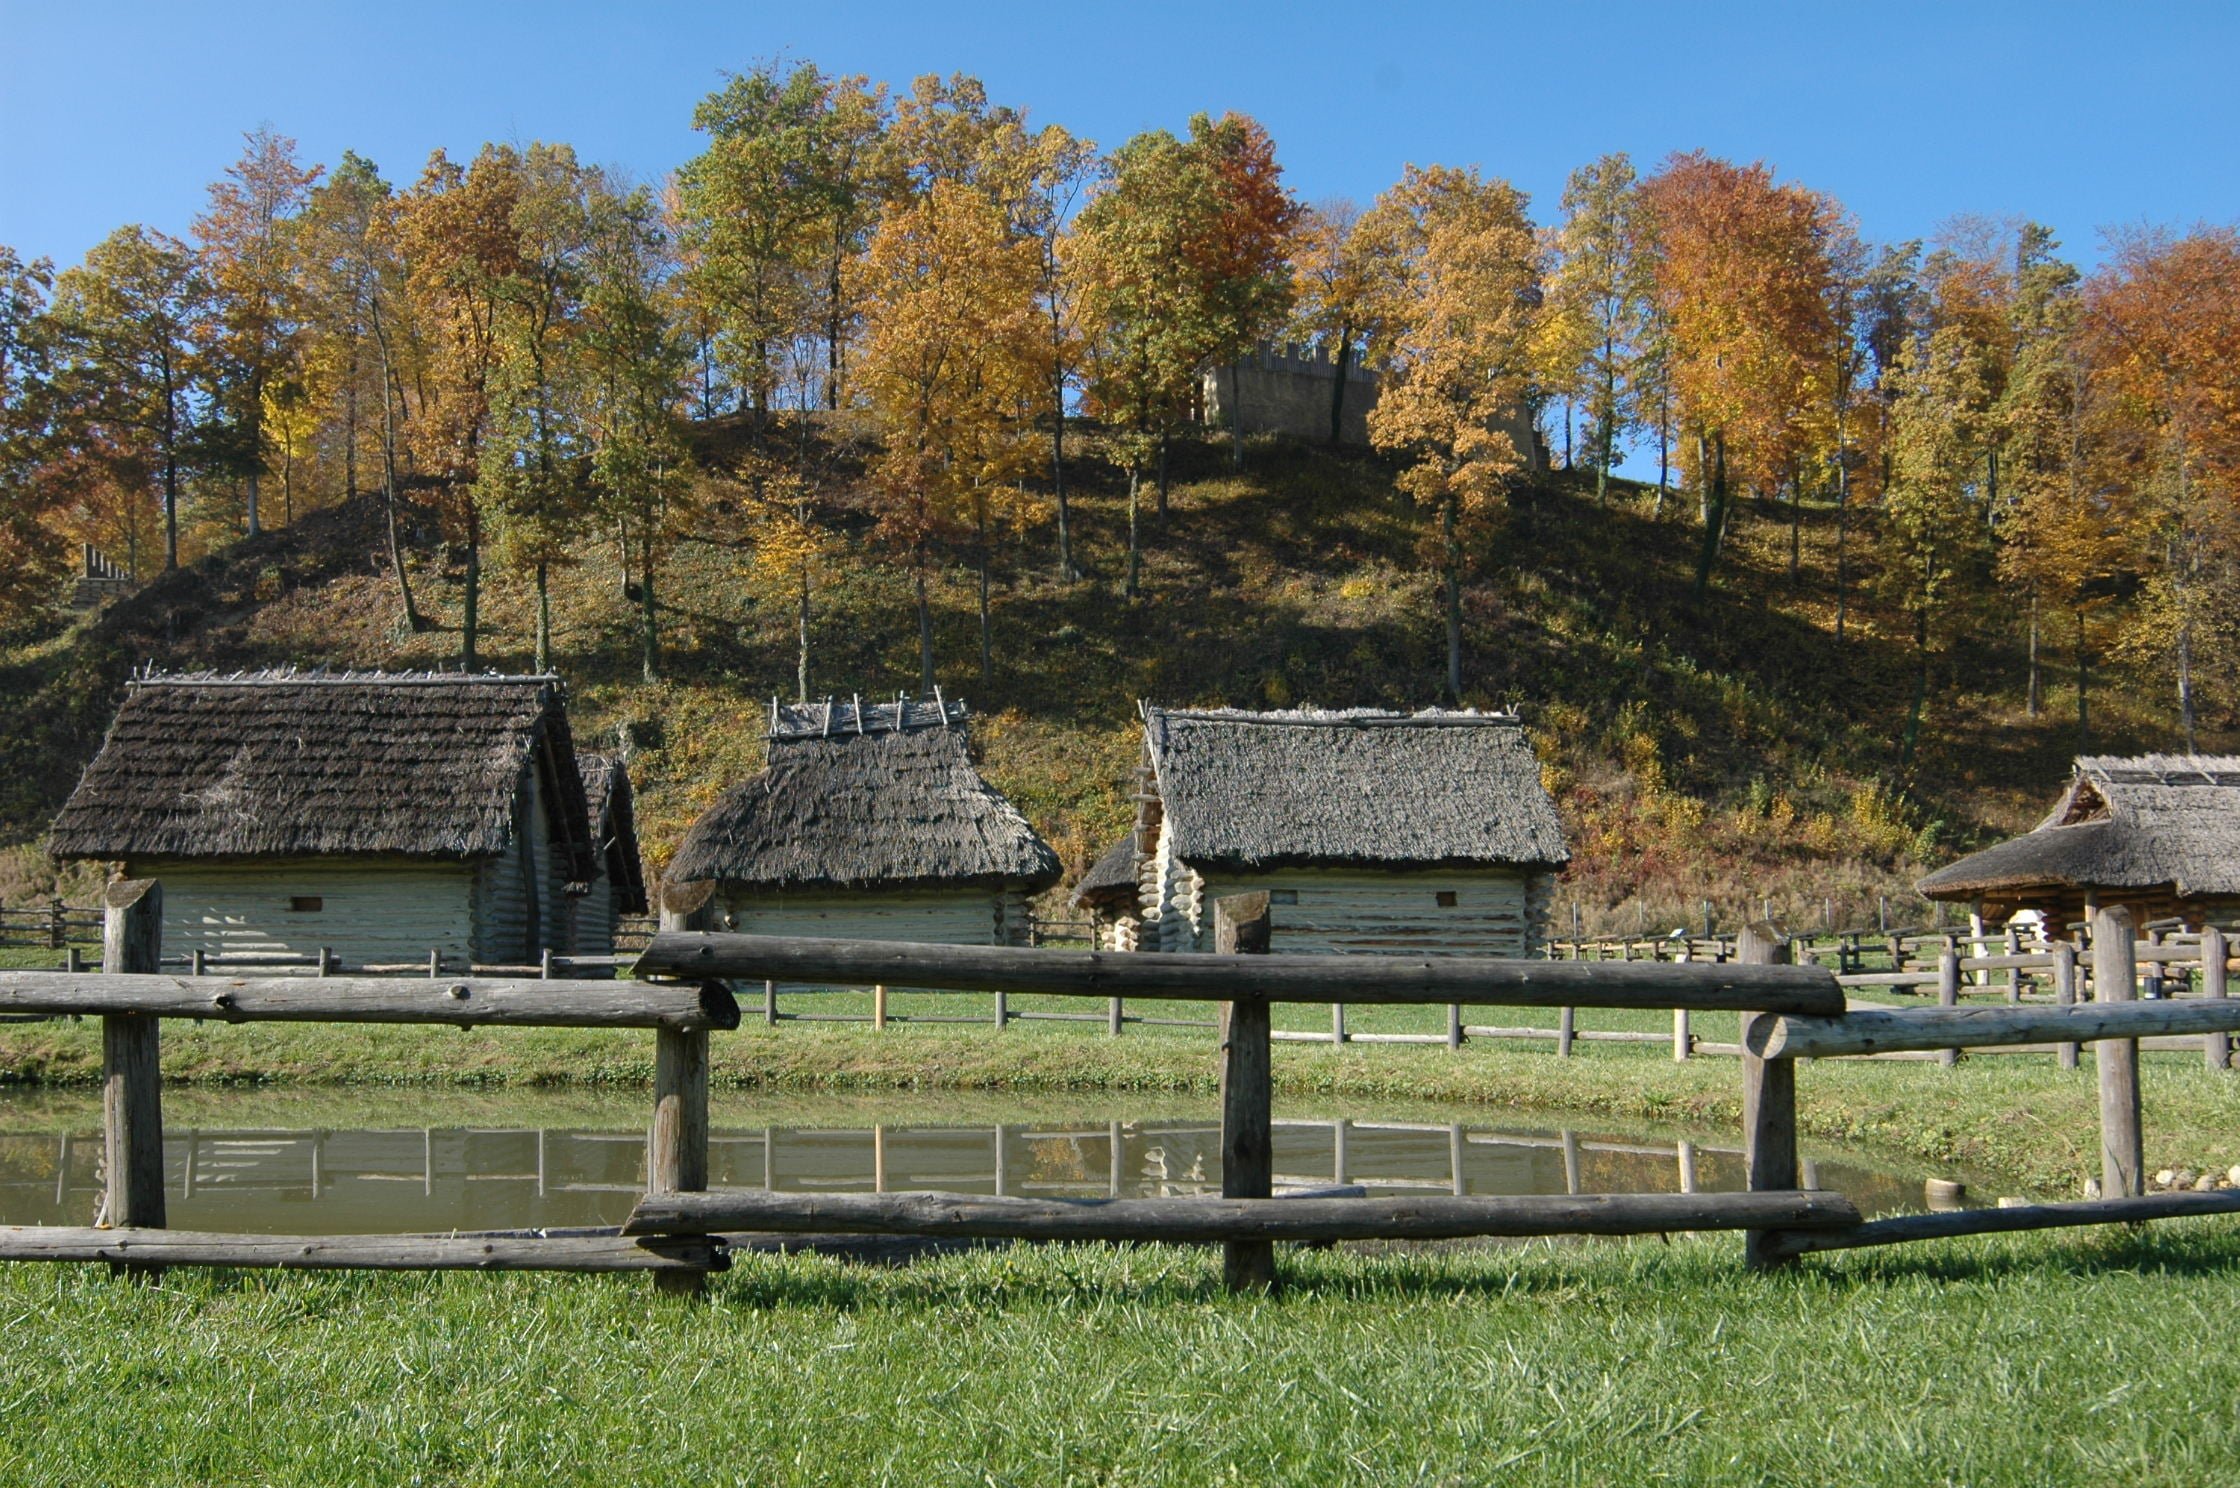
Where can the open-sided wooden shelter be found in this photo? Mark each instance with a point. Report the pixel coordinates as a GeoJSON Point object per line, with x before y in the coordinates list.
{"type": "Point", "coordinates": [1372, 831]}
{"type": "Point", "coordinates": [379, 815]}
{"type": "Point", "coordinates": [2158, 834]}
{"type": "Point", "coordinates": [869, 821]}
{"type": "Point", "coordinates": [618, 885]}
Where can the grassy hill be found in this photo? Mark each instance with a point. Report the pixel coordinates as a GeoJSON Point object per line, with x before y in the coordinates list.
{"type": "Point", "coordinates": [1727, 748]}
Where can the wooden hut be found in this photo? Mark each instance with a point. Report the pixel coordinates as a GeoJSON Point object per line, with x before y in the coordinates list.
{"type": "Point", "coordinates": [2158, 834]}
{"type": "Point", "coordinates": [869, 821]}
{"type": "Point", "coordinates": [1109, 894]}
{"type": "Point", "coordinates": [378, 815]}
{"type": "Point", "coordinates": [618, 885]}
{"type": "Point", "coordinates": [1372, 831]}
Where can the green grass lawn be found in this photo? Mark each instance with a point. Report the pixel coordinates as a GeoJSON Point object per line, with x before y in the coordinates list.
{"type": "Point", "coordinates": [2087, 1358]}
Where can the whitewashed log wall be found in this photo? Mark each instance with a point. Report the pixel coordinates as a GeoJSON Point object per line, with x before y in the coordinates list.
{"type": "Point", "coordinates": [368, 910]}
{"type": "Point", "coordinates": [977, 916]}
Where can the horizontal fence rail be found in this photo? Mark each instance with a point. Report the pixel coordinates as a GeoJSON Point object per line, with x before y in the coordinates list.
{"type": "Point", "coordinates": [519, 1004]}
{"type": "Point", "coordinates": [1703, 987]}
{"type": "Point", "coordinates": [1881, 1031]}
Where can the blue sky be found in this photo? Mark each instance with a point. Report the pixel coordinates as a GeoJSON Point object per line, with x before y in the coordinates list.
{"type": "Point", "coordinates": [2081, 116]}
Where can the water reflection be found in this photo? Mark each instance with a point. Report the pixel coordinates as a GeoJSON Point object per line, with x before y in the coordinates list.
{"type": "Point", "coordinates": [463, 1177]}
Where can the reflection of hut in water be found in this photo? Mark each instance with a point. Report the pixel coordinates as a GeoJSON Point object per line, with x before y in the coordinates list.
{"type": "Point", "coordinates": [380, 815]}
{"type": "Point", "coordinates": [868, 822]}
{"type": "Point", "coordinates": [2158, 834]}
{"type": "Point", "coordinates": [1109, 894]}
{"type": "Point", "coordinates": [1371, 831]}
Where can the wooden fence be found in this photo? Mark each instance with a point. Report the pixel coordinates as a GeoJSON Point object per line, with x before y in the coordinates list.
{"type": "Point", "coordinates": [53, 925]}
{"type": "Point", "coordinates": [680, 1230]}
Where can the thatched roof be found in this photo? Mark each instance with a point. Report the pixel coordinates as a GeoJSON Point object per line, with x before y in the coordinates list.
{"type": "Point", "coordinates": [289, 764]}
{"type": "Point", "coordinates": [2158, 819]}
{"type": "Point", "coordinates": [1110, 884]}
{"type": "Point", "coordinates": [614, 828]}
{"type": "Point", "coordinates": [1361, 787]}
{"type": "Point", "coordinates": [855, 797]}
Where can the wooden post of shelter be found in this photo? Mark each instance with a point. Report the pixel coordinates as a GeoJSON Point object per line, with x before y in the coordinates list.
{"type": "Point", "coordinates": [2114, 974]}
{"type": "Point", "coordinates": [2216, 1048]}
{"type": "Point", "coordinates": [677, 1142]}
{"type": "Point", "coordinates": [2065, 995]}
{"type": "Point", "coordinates": [1769, 1099]}
{"type": "Point", "coordinates": [1948, 992]}
{"type": "Point", "coordinates": [1241, 927]}
{"type": "Point", "coordinates": [131, 1062]}
{"type": "Point", "coordinates": [1683, 1038]}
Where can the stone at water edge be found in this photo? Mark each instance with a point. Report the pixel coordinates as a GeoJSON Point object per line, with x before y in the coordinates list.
{"type": "Point", "coordinates": [2232, 1175]}
{"type": "Point", "coordinates": [2165, 1177]}
{"type": "Point", "coordinates": [2205, 1182]}
{"type": "Point", "coordinates": [2092, 1188]}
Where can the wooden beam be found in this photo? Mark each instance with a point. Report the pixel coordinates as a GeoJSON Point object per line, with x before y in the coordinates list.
{"type": "Point", "coordinates": [1384, 980]}
{"type": "Point", "coordinates": [1242, 927]}
{"type": "Point", "coordinates": [131, 1058]}
{"type": "Point", "coordinates": [1955, 1222]}
{"type": "Point", "coordinates": [2115, 984]}
{"type": "Point", "coordinates": [1769, 1100]}
{"type": "Point", "coordinates": [155, 1247]}
{"type": "Point", "coordinates": [466, 1001]}
{"type": "Point", "coordinates": [1226, 1220]}
{"type": "Point", "coordinates": [1892, 1030]}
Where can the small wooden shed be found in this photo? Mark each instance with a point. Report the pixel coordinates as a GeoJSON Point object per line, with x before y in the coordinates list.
{"type": "Point", "coordinates": [2158, 834]}
{"type": "Point", "coordinates": [618, 884]}
{"type": "Point", "coordinates": [869, 821]}
{"type": "Point", "coordinates": [1109, 894]}
{"type": "Point", "coordinates": [379, 815]}
{"type": "Point", "coordinates": [1373, 831]}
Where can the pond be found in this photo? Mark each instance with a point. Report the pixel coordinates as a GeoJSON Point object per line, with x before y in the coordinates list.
{"type": "Point", "coordinates": [267, 1162]}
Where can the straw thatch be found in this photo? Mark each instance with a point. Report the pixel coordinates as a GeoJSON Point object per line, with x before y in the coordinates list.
{"type": "Point", "coordinates": [1110, 884]}
{"type": "Point", "coordinates": [1310, 787]}
{"type": "Point", "coordinates": [2157, 822]}
{"type": "Point", "coordinates": [614, 828]}
{"type": "Point", "coordinates": [288, 765]}
{"type": "Point", "coordinates": [855, 797]}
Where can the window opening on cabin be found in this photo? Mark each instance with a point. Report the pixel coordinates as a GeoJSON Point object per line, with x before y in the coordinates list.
{"type": "Point", "coordinates": [1445, 898]}
{"type": "Point", "coordinates": [306, 904]}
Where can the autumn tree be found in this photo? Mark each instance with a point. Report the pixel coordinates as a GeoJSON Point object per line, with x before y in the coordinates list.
{"type": "Point", "coordinates": [129, 360]}
{"type": "Point", "coordinates": [1458, 285]}
{"type": "Point", "coordinates": [1145, 320]}
{"type": "Point", "coordinates": [1244, 258]}
{"type": "Point", "coordinates": [1740, 273]}
{"type": "Point", "coordinates": [1599, 298]}
{"type": "Point", "coordinates": [1334, 306]}
{"type": "Point", "coordinates": [29, 543]}
{"type": "Point", "coordinates": [246, 238]}
{"type": "Point", "coordinates": [950, 363]}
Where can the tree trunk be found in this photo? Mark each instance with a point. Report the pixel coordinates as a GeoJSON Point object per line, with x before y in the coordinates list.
{"type": "Point", "coordinates": [1912, 737]}
{"type": "Point", "coordinates": [470, 627]}
{"type": "Point", "coordinates": [649, 659]}
{"type": "Point", "coordinates": [987, 650]}
{"type": "Point", "coordinates": [2185, 681]}
{"type": "Point", "coordinates": [1162, 477]}
{"type": "Point", "coordinates": [412, 619]}
{"type": "Point", "coordinates": [801, 641]}
{"type": "Point", "coordinates": [1066, 573]}
{"type": "Point", "coordinates": [1607, 429]}
{"type": "Point", "coordinates": [2084, 715]}
{"type": "Point", "coordinates": [1796, 530]}
{"type": "Point", "coordinates": [1236, 422]}
{"type": "Point", "coordinates": [288, 485]}
{"type": "Point", "coordinates": [544, 619]}
{"type": "Point", "coordinates": [1452, 543]}
{"type": "Point", "coordinates": [1344, 361]}
{"type": "Point", "coordinates": [2034, 696]}
{"type": "Point", "coordinates": [925, 632]}
{"type": "Point", "coordinates": [1135, 504]}
{"type": "Point", "coordinates": [1664, 446]}
{"type": "Point", "coordinates": [1714, 513]}
{"type": "Point", "coordinates": [350, 425]}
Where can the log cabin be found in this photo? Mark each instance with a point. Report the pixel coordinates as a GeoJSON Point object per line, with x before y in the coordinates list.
{"type": "Point", "coordinates": [2158, 834]}
{"type": "Point", "coordinates": [869, 821]}
{"type": "Point", "coordinates": [1372, 831]}
{"type": "Point", "coordinates": [1109, 895]}
{"type": "Point", "coordinates": [380, 816]}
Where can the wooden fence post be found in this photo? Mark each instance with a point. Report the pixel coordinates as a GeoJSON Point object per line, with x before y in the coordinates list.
{"type": "Point", "coordinates": [1567, 1028]}
{"type": "Point", "coordinates": [677, 1142]}
{"type": "Point", "coordinates": [131, 1062]}
{"type": "Point", "coordinates": [1454, 1025]}
{"type": "Point", "coordinates": [879, 1008]}
{"type": "Point", "coordinates": [1241, 927]}
{"type": "Point", "coordinates": [2114, 973]}
{"type": "Point", "coordinates": [1948, 993]}
{"type": "Point", "coordinates": [2065, 995]}
{"type": "Point", "coordinates": [1116, 1015]}
{"type": "Point", "coordinates": [1683, 1037]}
{"type": "Point", "coordinates": [1337, 1023]}
{"type": "Point", "coordinates": [2216, 1048]}
{"type": "Point", "coordinates": [1769, 1100]}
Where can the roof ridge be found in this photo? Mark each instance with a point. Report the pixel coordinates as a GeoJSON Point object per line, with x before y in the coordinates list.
{"type": "Point", "coordinates": [321, 677]}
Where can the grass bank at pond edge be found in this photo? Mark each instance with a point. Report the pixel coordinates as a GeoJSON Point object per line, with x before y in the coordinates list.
{"type": "Point", "coordinates": [2026, 1360]}
{"type": "Point", "coordinates": [2012, 1116]}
